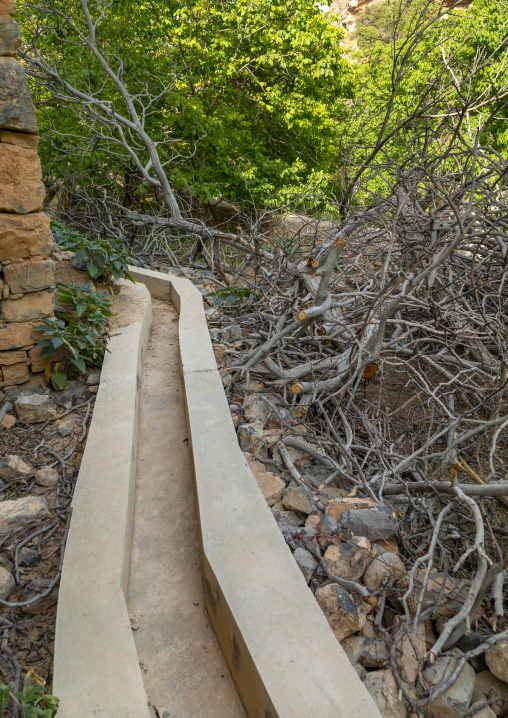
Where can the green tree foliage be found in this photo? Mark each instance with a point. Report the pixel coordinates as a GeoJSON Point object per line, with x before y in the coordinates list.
{"type": "Point", "coordinates": [244, 94]}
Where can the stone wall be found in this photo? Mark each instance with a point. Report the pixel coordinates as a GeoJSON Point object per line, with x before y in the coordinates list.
{"type": "Point", "coordinates": [27, 290]}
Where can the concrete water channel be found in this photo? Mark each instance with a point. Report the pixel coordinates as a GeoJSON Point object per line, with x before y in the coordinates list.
{"type": "Point", "coordinates": [184, 672]}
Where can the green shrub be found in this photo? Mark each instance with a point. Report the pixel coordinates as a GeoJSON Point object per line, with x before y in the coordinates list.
{"type": "Point", "coordinates": [33, 702]}
{"type": "Point", "coordinates": [106, 259]}
{"type": "Point", "coordinates": [81, 328]}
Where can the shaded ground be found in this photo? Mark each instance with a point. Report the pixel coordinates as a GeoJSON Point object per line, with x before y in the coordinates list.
{"type": "Point", "coordinates": [184, 672]}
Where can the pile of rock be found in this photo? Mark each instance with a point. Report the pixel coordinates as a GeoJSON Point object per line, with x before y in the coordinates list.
{"type": "Point", "coordinates": [27, 273]}
{"type": "Point", "coordinates": [346, 549]}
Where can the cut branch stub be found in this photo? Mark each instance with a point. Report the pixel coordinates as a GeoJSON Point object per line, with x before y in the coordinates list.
{"type": "Point", "coordinates": [313, 262]}
{"type": "Point", "coordinates": [301, 316]}
{"type": "Point", "coordinates": [370, 370]}
{"type": "Point", "coordinates": [296, 388]}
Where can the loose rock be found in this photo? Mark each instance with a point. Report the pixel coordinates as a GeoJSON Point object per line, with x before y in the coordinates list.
{"type": "Point", "coordinates": [385, 693]}
{"type": "Point", "coordinates": [405, 657]}
{"type": "Point", "coordinates": [272, 486]}
{"type": "Point", "coordinates": [497, 660]}
{"type": "Point", "coordinates": [66, 425]}
{"type": "Point", "coordinates": [32, 409]}
{"type": "Point", "coordinates": [251, 438]}
{"type": "Point", "coordinates": [47, 477]}
{"type": "Point", "coordinates": [376, 572]}
{"type": "Point", "coordinates": [306, 562]}
{"type": "Point", "coordinates": [368, 652]}
{"type": "Point", "coordinates": [347, 561]}
{"type": "Point", "coordinates": [346, 613]}
{"type": "Point", "coordinates": [487, 686]}
{"type": "Point", "coordinates": [374, 523]}
{"type": "Point", "coordinates": [19, 514]}
{"type": "Point", "coordinates": [7, 583]}
{"type": "Point", "coordinates": [299, 499]}
{"type": "Point", "coordinates": [28, 557]}
{"type": "Point", "coordinates": [336, 507]}
{"type": "Point", "coordinates": [13, 468]}
{"type": "Point", "coordinates": [453, 703]}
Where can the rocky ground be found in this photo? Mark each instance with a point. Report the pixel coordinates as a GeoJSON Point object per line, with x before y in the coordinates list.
{"type": "Point", "coordinates": [42, 438]}
{"type": "Point", "coordinates": [353, 555]}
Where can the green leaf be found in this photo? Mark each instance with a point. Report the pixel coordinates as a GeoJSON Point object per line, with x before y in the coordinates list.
{"type": "Point", "coordinates": [60, 379]}
{"type": "Point", "coordinates": [93, 269]}
{"type": "Point", "coordinates": [47, 352]}
{"type": "Point", "coordinates": [5, 694]}
{"type": "Point", "coordinates": [80, 309]}
{"type": "Point", "coordinates": [79, 362]}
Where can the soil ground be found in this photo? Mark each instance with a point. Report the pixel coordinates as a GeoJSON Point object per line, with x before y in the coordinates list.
{"type": "Point", "coordinates": [184, 671]}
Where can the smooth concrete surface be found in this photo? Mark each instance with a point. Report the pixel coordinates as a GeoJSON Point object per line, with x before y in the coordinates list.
{"type": "Point", "coordinates": [96, 669]}
{"type": "Point", "coordinates": [183, 669]}
{"type": "Point", "coordinates": [282, 654]}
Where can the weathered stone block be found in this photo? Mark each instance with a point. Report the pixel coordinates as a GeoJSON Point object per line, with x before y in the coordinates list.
{"type": "Point", "coordinates": [17, 111]}
{"type": "Point", "coordinates": [37, 305]}
{"type": "Point", "coordinates": [15, 374]}
{"type": "Point", "coordinates": [17, 515]}
{"type": "Point", "coordinates": [32, 408]}
{"type": "Point", "coordinates": [10, 36]}
{"type": "Point", "coordinates": [21, 189]}
{"type": "Point", "coordinates": [12, 357]}
{"type": "Point", "coordinates": [25, 277]}
{"type": "Point", "coordinates": [13, 336]}
{"type": "Point", "coordinates": [21, 139]}
{"type": "Point", "coordinates": [24, 236]}
{"type": "Point", "coordinates": [13, 468]}
{"type": "Point", "coordinates": [38, 364]}
{"type": "Point", "coordinates": [7, 7]}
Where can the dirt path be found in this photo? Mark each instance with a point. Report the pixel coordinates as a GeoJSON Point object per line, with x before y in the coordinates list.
{"type": "Point", "coordinates": [184, 672]}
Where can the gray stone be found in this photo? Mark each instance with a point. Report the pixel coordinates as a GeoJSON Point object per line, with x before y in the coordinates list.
{"type": "Point", "coordinates": [345, 612]}
{"type": "Point", "coordinates": [299, 499]}
{"type": "Point", "coordinates": [305, 537]}
{"type": "Point", "coordinates": [497, 660]}
{"type": "Point", "coordinates": [28, 557]}
{"type": "Point", "coordinates": [10, 36]}
{"type": "Point", "coordinates": [7, 583]}
{"type": "Point", "coordinates": [19, 391]}
{"type": "Point", "coordinates": [287, 517]}
{"type": "Point", "coordinates": [385, 692]}
{"type": "Point", "coordinates": [13, 468]}
{"type": "Point", "coordinates": [347, 561]}
{"type": "Point", "coordinates": [453, 703]}
{"type": "Point", "coordinates": [47, 477]}
{"type": "Point", "coordinates": [33, 409]}
{"type": "Point", "coordinates": [18, 514]}
{"type": "Point", "coordinates": [66, 425]}
{"type": "Point", "coordinates": [306, 562]}
{"type": "Point", "coordinates": [315, 475]}
{"type": "Point", "coordinates": [17, 111]}
{"type": "Point", "coordinates": [72, 396]}
{"type": "Point", "coordinates": [326, 529]}
{"type": "Point", "coordinates": [374, 523]}
{"type": "Point", "coordinates": [93, 378]}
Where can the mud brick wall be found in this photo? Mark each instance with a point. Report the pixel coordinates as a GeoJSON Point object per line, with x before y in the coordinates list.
{"type": "Point", "coordinates": [27, 292]}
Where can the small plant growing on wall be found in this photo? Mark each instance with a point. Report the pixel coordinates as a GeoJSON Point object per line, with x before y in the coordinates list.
{"type": "Point", "coordinates": [106, 259]}
{"type": "Point", "coordinates": [79, 331]}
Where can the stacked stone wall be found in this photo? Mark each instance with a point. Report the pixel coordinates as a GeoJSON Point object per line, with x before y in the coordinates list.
{"type": "Point", "coordinates": [27, 291]}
